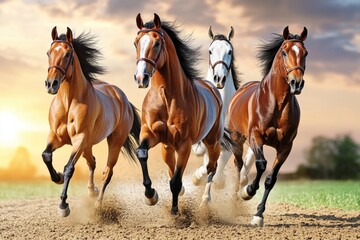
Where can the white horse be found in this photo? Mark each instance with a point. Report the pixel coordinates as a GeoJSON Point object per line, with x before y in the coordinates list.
{"type": "Point", "coordinates": [224, 75]}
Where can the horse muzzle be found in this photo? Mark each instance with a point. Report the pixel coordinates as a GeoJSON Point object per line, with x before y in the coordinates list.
{"type": "Point", "coordinates": [219, 81]}
{"type": "Point", "coordinates": [52, 86]}
{"type": "Point", "coordinates": [142, 80]}
{"type": "Point", "coordinates": [296, 86]}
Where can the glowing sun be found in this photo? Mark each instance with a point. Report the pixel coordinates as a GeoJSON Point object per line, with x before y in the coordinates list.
{"type": "Point", "coordinates": [9, 128]}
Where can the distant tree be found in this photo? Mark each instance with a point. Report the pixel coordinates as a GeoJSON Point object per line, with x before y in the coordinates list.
{"type": "Point", "coordinates": [328, 158]}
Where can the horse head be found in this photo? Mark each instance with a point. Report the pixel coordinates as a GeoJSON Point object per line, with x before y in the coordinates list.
{"type": "Point", "coordinates": [220, 57]}
{"type": "Point", "coordinates": [149, 44]}
{"type": "Point", "coordinates": [61, 56]}
{"type": "Point", "coordinates": [293, 54]}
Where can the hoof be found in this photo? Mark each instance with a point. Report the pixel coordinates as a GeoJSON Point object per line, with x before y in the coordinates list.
{"type": "Point", "coordinates": [64, 212]}
{"type": "Point", "coordinates": [152, 201]}
{"type": "Point", "coordinates": [197, 181]}
{"type": "Point", "coordinates": [182, 191]}
{"type": "Point", "coordinates": [61, 181]}
{"type": "Point", "coordinates": [244, 194]}
{"type": "Point", "coordinates": [257, 221]}
{"type": "Point", "coordinates": [93, 192]}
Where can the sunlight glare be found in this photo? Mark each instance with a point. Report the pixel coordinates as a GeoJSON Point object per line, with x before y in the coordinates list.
{"type": "Point", "coordinates": [9, 128]}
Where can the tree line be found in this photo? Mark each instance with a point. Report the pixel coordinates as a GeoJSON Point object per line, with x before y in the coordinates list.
{"type": "Point", "coordinates": [331, 158]}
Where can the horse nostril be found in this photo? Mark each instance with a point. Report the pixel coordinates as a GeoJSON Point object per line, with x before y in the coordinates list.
{"type": "Point", "coordinates": [47, 84]}
{"type": "Point", "coordinates": [223, 80]}
{"type": "Point", "coordinates": [146, 77]}
{"type": "Point", "coordinates": [55, 83]}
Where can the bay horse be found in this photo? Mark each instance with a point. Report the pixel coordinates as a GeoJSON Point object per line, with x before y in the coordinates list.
{"type": "Point", "coordinates": [223, 73]}
{"type": "Point", "coordinates": [178, 110]}
{"type": "Point", "coordinates": [267, 112]}
{"type": "Point", "coordinates": [85, 111]}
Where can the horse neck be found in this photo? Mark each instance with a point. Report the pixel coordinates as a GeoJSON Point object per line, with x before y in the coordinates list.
{"type": "Point", "coordinates": [171, 75]}
{"type": "Point", "coordinates": [227, 92]}
{"type": "Point", "coordinates": [75, 87]}
{"type": "Point", "coordinates": [276, 82]}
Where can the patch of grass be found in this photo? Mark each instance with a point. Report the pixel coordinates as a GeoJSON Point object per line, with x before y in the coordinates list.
{"type": "Point", "coordinates": [40, 189]}
{"type": "Point", "coordinates": [343, 195]}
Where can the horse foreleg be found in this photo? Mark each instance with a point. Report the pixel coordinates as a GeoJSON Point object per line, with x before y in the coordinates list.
{"type": "Point", "coordinates": [176, 186]}
{"type": "Point", "coordinates": [151, 196]}
{"type": "Point", "coordinates": [214, 153]}
{"type": "Point", "coordinates": [69, 169]}
{"type": "Point", "coordinates": [53, 144]}
{"type": "Point", "coordinates": [270, 181]}
{"type": "Point", "coordinates": [260, 162]}
{"type": "Point", "coordinates": [219, 177]}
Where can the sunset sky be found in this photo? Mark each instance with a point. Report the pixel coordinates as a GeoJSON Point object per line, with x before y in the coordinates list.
{"type": "Point", "coordinates": [330, 101]}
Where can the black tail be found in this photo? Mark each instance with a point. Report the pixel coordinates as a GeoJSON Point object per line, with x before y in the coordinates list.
{"type": "Point", "coordinates": [226, 142]}
{"type": "Point", "coordinates": [132, 141]}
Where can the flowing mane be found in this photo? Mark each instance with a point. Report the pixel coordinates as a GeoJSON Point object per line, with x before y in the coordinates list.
{"type": "Point", "coordinates": [267, 52]}
{"type": "Point", "coordinates": [188, 55]}
{"type": "Point", "coordinates": [234, 71]}
{"type": "Point", "coordinates": [88, 56]}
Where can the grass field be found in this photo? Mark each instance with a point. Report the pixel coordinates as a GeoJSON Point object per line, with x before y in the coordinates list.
{"type": "Point", "coordinates": [343, 195]}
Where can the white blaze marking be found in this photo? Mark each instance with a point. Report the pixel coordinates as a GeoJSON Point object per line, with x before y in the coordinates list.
{"type": "Point", "coordinates": [144, 43]}
{"type": "Point", "coordinates": [57, 48]}
{"type": "Point", "coordinates": [296, 49]}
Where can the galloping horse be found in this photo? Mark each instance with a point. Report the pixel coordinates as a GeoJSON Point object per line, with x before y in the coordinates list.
{"type": "Point", "coordinates": [84, 112]}
{"type": "Point", "coordinates": [267, 112]}
{"type": "Point", "coordinates": [178, 110]}
{"type": "Point", "coordinates": [223, 73]}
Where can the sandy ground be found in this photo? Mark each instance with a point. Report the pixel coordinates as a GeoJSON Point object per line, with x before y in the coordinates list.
{"type": "Point", "coordinates": [124, 215]}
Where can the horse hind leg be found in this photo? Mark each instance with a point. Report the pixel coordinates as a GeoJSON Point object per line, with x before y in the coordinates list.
{"type": "Point", "coordinates": [114, 145]}
{"type": "Point", "coordinates": [247, 164]}
{"type": "Point", "coordinates": [91, 162]}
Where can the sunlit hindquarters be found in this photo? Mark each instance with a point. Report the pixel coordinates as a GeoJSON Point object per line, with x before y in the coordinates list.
{"type": "Point", "coordinates": [223, 73]}
{"type": "Point", "coordinates": [178, 110]}
{"type": "Point", "coordinates": [85, 111]}
{"type": "Point", "coordinates": [267, 112]}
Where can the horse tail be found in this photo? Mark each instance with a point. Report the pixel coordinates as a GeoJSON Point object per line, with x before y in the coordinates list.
{"type": "Point", "coordinates": [133, 139]}
{"type": "Point", "coordinates": [226, 142]}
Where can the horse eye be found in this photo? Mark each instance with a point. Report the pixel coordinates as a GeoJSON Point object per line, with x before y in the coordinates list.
{"type": "Point", "coordinates": [67, 55]}
{"type": "Point", "coordinates": [156, 45]}
{"type": "Point", "coordinates": [230, 52]}
{"type": "Point", "coordinates": [210, 52]}
{"type": "Point", "coordinates": [283, 53]}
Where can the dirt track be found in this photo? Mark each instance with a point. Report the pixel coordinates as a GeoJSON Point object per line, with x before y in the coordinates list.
{"type": "Point", "coordinates": [125, 216]}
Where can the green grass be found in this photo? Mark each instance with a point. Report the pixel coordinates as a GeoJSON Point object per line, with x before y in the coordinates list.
{"type": "Point", "coordinates": [343, 195]}
{"type": "Point", "coordinates": [40, 189]}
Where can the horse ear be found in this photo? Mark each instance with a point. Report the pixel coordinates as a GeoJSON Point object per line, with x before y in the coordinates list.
{"type": "Point", "coordinates": [303, 35]}
{"type": "Point", "coordinates": [69, 35]}
{"type": "Point", "coordinates": [286, 33]}
{"type": "Point", "coordinates": [157, 21]}
{"type": "Point", "coordinates": [54, 34]}
{"type": "Point", "coordinates": [210, 33]}
{"type": "Point", "coordinates": [139, 21]}
{"type": "Point", "coordinates": [231, 33]}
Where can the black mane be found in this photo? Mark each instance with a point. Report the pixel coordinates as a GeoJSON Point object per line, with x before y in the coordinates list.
{"type": "Point", "coordinates": [268, 50]}
{"type": "Point", "coordinates": [188, 56]}
{"type": "Point", "coordinates": [234, 71]}
{"type": "Point", "coordinates": [88, 56]}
